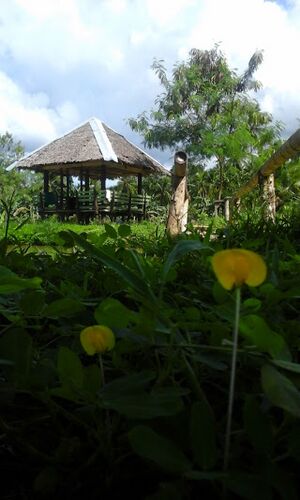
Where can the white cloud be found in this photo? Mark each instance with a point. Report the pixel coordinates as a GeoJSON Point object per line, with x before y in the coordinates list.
{"type": "Point", "coordinates": [63, 61]}
{"type": "Point", "coordinates": [165, 13]}
{"type": "Point", "coordinates": [29, 115]}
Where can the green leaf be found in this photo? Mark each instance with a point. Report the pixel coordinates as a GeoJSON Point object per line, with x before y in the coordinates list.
{"type": "Point", "coordinates": [257, 426]}
{"type": "Point", "coordinates": [124, 230]}
{"type": "Point", "coordinates": [112, 313]}
{"type": "Point", "coordinates": [203, 435]}
{"type": "Point", "coordinates": [16, 348]}
{"type": "Point", "coordinates": [163, 452]}
{"type": "Point", "coordinates": [209, 360]}
{"type": "Point", "coordinates": [180, 249]}
{"type": "Point", "coordinates": [63, 308]}
{"type": "Point", "coordinates": [280, 390]}
{"type": "Point", "coordinates": [166, 491]}
{"type": "Point", "coordinates": [128, 384]}
{"type": "Point", "coordinates": [249, 486]}
{"type": "Point", "coordinates": [256, 330]}
{"type": "Point", "coordinates": [110, 231]}
{"type": "Point", "coordinates": [219, 293]}
{"type": "Point", "coordinates": [69, 368]}
{"type": "Point", "coordinates": [287, 365]}
{"type": "Point", "coordinates": [205, 476]}
{"type": "Point", "coordinates": [46, 481]}
{"type": "Point", "coordinates": [92, 380]}
{"type": "Point", "coordinates": [138, 284]}
{"type": "Point", "coordinates": [11, 283]}
{"type": "Point", "coordinates": [32, 302]}
{"type": "Point", "coordinates": [163, 402]}
{"type": "Point", "coordinates": [253, 304]}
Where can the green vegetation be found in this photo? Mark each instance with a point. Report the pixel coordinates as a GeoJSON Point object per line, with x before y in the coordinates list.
{"type": "Point", "coordinates": [148, 418]}
{"type": "Point", "coordinates": [207, 110]}
{"type": "Point", "coordinates": [155, 428]}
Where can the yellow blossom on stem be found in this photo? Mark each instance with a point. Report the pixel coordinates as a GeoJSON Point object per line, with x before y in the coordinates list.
{"type": "Point", "coordinates": [97, 339]}
{"type": "Point", "coordinates": [236, 266]}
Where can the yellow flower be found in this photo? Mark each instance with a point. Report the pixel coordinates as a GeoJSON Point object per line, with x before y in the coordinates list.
{"type": "Point", "coordinates": [97, 338]}
{"type": "Point", "coordinates": [237, 266]}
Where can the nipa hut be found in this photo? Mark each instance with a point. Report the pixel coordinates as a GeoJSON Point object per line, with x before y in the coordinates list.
{"type": "Point", "coordinates": [91, 151]}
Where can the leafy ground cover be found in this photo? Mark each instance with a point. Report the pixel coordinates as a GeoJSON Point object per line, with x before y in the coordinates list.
{"type": "Point", "coordinates": [148, 418]}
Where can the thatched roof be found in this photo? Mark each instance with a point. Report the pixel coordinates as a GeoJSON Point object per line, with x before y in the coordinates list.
{"type": "Point", "coordinates": [91, 148]}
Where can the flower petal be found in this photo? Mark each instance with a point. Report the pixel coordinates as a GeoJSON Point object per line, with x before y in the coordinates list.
{"type": "Point", "coordinates": [97, 338]}
{"type": "Point", "coordinates": [235, 266]}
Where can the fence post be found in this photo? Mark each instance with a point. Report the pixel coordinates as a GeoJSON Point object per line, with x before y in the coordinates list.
{"type": "Point", "coordinates": [179, 204]}
{"type": "Point", "coordinates": [267, 184]}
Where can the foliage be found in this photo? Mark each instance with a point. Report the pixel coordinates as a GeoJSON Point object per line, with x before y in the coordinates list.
{"type": "Point", "coordinates": [17, 189]}
{"type": "Point", "coordinates": [206, 110]}
{"type": "Point", "coordinates": [150, 420]}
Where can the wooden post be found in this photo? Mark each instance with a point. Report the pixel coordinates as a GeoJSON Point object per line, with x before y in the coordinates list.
{"type": "Point", "coordinates": [61, 201]}
{"type": "Point", "coordinates": [140, 184]}
{"type": "Point", "coordinates": [178, 210]}
{"type": "Point", "coordinates": [46, 182]}
{"type": "Point", "coordinates": [227, 208]}
{"type": "Point", "coordinates": [68, 187]}
{"type": "Point", "coordinates": [86, 182]}
{"type": "Point", "coordinates": [267, 184]}
{"type": "Point", "coordinates": [103, 179]}
{"type": "Point", "coordinates": [81, 180]}
{"type": "Point", "coordinates": [290, 149]}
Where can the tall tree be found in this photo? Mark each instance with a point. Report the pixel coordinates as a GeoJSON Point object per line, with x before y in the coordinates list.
{"type": "Point", "coordinates": [206, 109]}
{"type": "Point", "coordinates": [22, 186]}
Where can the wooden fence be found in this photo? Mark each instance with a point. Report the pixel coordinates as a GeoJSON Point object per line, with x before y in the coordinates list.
{"type": "Point", "coordinates": [265, 178]}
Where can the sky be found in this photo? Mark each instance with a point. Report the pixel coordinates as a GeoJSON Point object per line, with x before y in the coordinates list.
{"type": "Point", "coordinates": [64, 61]}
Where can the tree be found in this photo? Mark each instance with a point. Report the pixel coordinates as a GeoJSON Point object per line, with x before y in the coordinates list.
{"type": "Point", "coordinates": [16, 188]}
{"type": "Point", "coordinates": [206, 110]}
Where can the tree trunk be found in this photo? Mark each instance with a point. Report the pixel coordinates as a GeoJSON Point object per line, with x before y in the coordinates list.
{"type": "Point", "coordinates": [178, 210]}
{"type": "Point", "coordinates": [221, 179]}
{"type": "Point", "coordinates": [269, 197]}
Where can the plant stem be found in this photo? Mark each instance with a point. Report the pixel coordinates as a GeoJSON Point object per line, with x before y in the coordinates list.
{"type": "Point", "coordinates": [101, 370]}
{"type": "Point", "coordinates": [232, 379]}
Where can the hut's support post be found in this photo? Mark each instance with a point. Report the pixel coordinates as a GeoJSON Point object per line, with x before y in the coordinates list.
{"type": "Point", "coordinates": [178, 210]}
{"type": "Point", "coordinates": [86, 182]}
{"type": "Point", "coordinates": [139, 183]}
{"type": "Point", "coordinates": [103, 179]}
{"type": "Point", "coordinates": [61, 198]}
{"type": "Point", "coordinates": [46, 182]}
{"type": "Point", "coordinates": [68, 188]}
{"type": "Point", "coordinates": [81, 180]}
{"type": "Point", "coordinates": [267, 184]}
{"type": "Point", "coordinates": [227, 208]}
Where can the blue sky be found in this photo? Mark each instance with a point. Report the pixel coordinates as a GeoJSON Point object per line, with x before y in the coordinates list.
{"type": "Point", "coordinates": [63, 61]}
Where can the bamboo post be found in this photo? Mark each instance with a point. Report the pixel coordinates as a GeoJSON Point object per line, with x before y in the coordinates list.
{"type": "Point", "coordinates": [179, 204]}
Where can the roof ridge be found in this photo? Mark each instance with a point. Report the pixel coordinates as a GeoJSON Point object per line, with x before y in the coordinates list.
{"type": "Point", "coordinates": [103, 141]}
